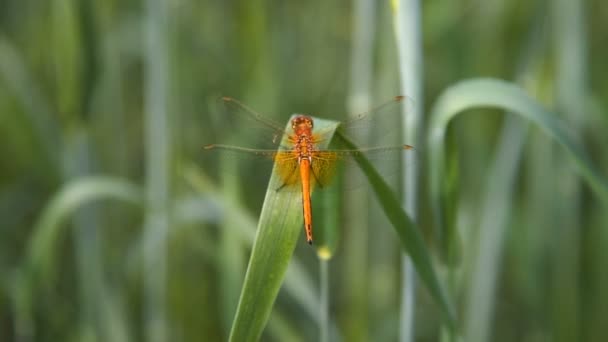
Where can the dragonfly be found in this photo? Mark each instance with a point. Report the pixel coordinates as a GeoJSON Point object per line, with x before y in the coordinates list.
{"type": "Point", "coordinates": [299, 161]}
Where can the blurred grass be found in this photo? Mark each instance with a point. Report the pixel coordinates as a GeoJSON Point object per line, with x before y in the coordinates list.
{"type": "Point", "coordinates": [407, 19]}
{"type": "Point", "coordinates": [80, 83]}
{"type": "Point", "coordinates": [356, 309]}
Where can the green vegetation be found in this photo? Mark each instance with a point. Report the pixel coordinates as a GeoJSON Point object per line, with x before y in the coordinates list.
{"type": "Point", "coordinates": [118, 226]}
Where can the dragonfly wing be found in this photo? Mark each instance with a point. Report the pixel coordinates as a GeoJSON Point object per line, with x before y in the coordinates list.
{"type": "Point", "coordinates": [379, 126]}
{"type": "Point", "coordinates": [286, 166]}
{"type": "Point", "coordinates": [323, 167]}
{"type": "Point", "coordinates": [387, 160]}
{"type": "Point", "coordinates": [237, 124]}
{"type": "Point", "coordinates": [254, 164]}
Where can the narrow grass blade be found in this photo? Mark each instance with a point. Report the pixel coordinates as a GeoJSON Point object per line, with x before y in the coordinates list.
{"type": "Point", "coordinates": [232, 257]}
{"type": "Point", "coordinates": [279, 228]}
{"type": "Point", "coordinates": [298, 282]}
{"type": "Point", "coordinates": [572, 85]}
{"type": "Point", "coordinates": [407, 18]}
{"type": "Point", "coordinates": [38, 269]}
{"type": "Point", "coordinates": [410, 236]}
{"type": "Point", "coordinates": [356, 310]}
{"type": "Point", "coordinates": [324, 294]}
{"type": "Point", "coordinates": [14, 72]}
{"type": "Point", "coordinates": [328, 236]}
{"type": "Point", "coordinates": [478, 93]}
{"type": "Point", "coordinates": [72, 196]}
{"type": "Point", "coordinates": [495, 215]}
{"type": "Point", "coordinates": [158, 123]}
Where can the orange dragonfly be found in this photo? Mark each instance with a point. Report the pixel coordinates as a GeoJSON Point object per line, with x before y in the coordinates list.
{"type": "Point", "coordinates": [301, 161]}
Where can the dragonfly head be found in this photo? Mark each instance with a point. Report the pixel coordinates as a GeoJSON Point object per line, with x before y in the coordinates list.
{"type": "Point", "coordinates": [301, 123]}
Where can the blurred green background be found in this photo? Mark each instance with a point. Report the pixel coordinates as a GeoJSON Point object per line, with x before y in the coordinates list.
{"type": "Point", "coordinates": [113, 225]}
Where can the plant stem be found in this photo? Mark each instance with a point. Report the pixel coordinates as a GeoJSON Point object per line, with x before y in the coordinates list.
{"type": "Point", "coordinates": [157, 140]}
{"type": "Point", "coordinates": [497, 207]}
{"type": "Point", "coordinates": [408, 35]}
{"type": "Point", "coordinates": [357, 213]}
{"type": "Point", "coordinates": [324, 288]}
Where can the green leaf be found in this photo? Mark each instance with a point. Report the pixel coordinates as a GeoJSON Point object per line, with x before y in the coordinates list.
{"type": "Point", "coordinates": [49, 227]}
{"type": "Point", "coordinates": [478, 93]}
{"type": "Point", "coordinates": [409, 234]}
{"type": "Point", "coordinates": [279, 229]}
{"type": "Point", "coordinates": [328, 235]}
{"type": "Point", "coordinates": [298, 283]}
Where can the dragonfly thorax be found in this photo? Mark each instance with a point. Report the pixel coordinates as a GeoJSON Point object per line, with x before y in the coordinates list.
{"type": "Point", "coordinates": [303, 147]}
{"type": "Point", "coordinates": [303, 143]}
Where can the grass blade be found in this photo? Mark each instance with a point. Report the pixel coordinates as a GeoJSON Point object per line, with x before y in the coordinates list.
{"type": "Point", "coordinates": [356, 311]}
{"type": "Point", "coordinates": [410, 236]}
{"type": "Point", "coordinates": [298, 282]}
{"type": "Point", "coordinates": [48, 230]}
{"type": "Point", "coordinates": [158, 159]}
{"type": "Point", "coordinates": [407, 18]}
{"type": "Point", "coordinates": [478, 93]}
{"type": "Point", "coordinates": [72, 196]}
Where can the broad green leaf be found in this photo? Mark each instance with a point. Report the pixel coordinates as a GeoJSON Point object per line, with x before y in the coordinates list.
{"type": "Point", "coordinates": [280, 226]}
{"type": "Point", "coordinates": [494, 93]}
{"type": "Point", "coordinates": [279, 229]}
{"type": "Point", "coordinates": [409, 234]}
{"type": "Point", "coordinates": [298, 282]}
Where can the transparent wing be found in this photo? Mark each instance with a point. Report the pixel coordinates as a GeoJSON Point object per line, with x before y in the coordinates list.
{"type": "Point", "coordinates": [257, 164]}
{"type": "Point", "coordinates": [377, 133]}
{"type": "Point", "coordinates": [286, 163]}
{"type": "Point", "coordinates": [379, 126]}
{"type": "Point", "coordinates": [239, 125]}
{"type": "Point", "coordinates": [387, 160]}
{"type": "Point", "coordinates": [323, 167]}
{"type": "Point", "coordinates": [242, 142]}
